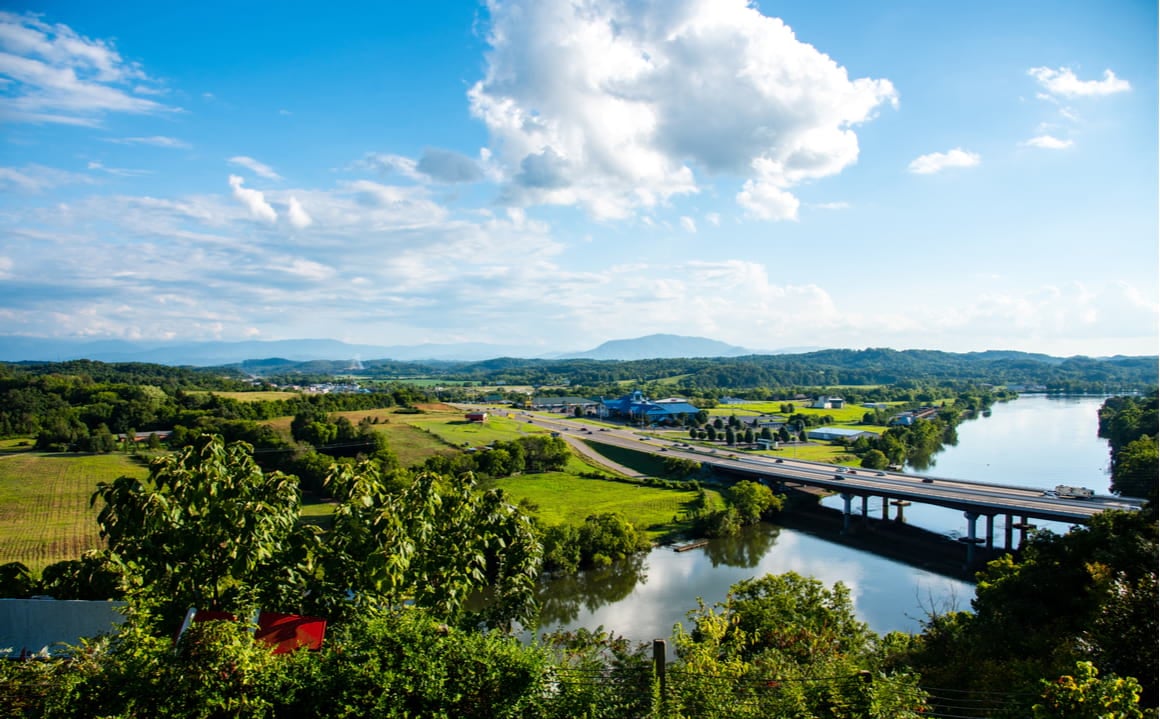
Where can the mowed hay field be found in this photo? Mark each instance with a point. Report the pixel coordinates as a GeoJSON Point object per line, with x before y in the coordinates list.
{"type": "Point", "coordinates": [44, 504]}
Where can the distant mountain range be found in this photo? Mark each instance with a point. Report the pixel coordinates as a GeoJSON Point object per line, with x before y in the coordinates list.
{"type": "Point", "coordinates": [19, 348]}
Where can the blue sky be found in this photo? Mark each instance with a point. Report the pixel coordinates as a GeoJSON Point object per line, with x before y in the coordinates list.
{"type": "Point", "coordinates": [553, 174]}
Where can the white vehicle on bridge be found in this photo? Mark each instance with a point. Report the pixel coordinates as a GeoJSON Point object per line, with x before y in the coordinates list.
{"type": "Point", "coordinates": [1069, 492]}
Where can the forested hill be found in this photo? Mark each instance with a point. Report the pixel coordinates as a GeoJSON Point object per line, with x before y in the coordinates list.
{"type": "Point", "coordinates": [822, 368]}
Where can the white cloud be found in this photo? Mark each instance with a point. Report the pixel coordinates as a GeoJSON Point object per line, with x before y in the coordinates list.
{"type": "Point", "coordinates": [689, 224]}
{"type": "Point", "coordinates": [1048, 142]}
{"type": "Point", "coordinates": [713, 218]}
{"type": "Point", "coordinates": [614, 106]}
{"type": "Point", "coordinates": [253, 199]}
{"type": "Point", "coordinates": [37, 178]}
{"type": "Point", "coordinates": [6, 265]}
{"type": "Point", "coordinates": [258, 168]}
{"type": "Point", "coordinates": [1063, 82]}
{"type": "Point", "coordinates": [766, 201]}
{"type": "Point", "coordinates": [447, 166]}
{"type": "Point", "coordinates": [831, 205]}
{"type": "Point", "coordinates": [297, 215]}
{"type": "Point", "coordinates": [54, 75]}
{"type": "Point", "coordinates": [118, 171]}
{"type": "Point", "coordinates": [939, 161]}
{"type": "Point", "coordinates": [155, 141]}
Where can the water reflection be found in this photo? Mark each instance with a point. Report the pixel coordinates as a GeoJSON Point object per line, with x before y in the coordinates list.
{"type": "Point", "coordinates": [644, 598]}
{"type": "Point", "coordinates": [744, 549]}
{"type": "Point", "coordinates": [562, 598]}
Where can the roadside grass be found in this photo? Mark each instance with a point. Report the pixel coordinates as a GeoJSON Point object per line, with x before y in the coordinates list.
{"type": "Point", "coordinates": [44, 504]}
{"type": "Point", "coordinates": [828, 453]}
{"type": "Point", "coordinates": [647, 464]}
{"type": "Point", "coordinates": [560, 498]}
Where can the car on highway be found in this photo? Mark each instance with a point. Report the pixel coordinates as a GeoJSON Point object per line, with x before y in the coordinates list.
{"type": "Point", "coordinates": [779, 460]}
{"type": "Point", "coordinates": [879, 474]}
{"type": "Point", "coordinates": [927, 480]}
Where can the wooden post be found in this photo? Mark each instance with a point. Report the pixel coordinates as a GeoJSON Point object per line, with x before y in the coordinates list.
{"type": "Point", "coordinates": [659, 665]}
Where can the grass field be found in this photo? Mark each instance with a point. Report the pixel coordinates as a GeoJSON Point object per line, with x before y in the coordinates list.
{"type": "Point", "coordinates": [848, 414]}
{"type": "Point", "coordinates": [264, 396]}
{"type": "Point", "coordinates": [564, 499]}
{"type": "Point", "coordinates": [44, 504]}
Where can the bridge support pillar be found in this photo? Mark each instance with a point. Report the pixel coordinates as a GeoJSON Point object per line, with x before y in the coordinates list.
{"type": "Point", "coordinates": [1023, 525]}
{"type": "Point", "coordinates": [1007, 533]}
{"type": "Point", "coordinates": [846, 498]}
{"type": "Point", "coordinates": [865, 506]}
{"type": "Point", "coordinates": [971, 538]}
{"type": "Point", "coordinates": [901, 504]}
{"type": "Point", "coordinates": [885, 509]}
{"type": "Point", "coordinates": [990, 531]}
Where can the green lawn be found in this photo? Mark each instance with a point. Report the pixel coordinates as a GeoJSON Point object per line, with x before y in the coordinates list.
{"type": "Point", "coordinates": [460, 432]}
{"type": "Point", "coordinates": [44, 504]}
{"type": "Point", "coordinates": [561, 498]}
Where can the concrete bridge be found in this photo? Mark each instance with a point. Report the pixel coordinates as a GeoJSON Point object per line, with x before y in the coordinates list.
{"type": "Point", "coordinates": [976, 500]}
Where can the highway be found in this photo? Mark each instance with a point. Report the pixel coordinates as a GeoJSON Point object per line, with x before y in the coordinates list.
{"type": "Point", "coordinates": [960, 494]}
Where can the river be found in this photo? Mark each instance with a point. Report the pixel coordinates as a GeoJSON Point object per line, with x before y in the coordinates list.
{"type": "Point", "coordinates": [1035, 441]}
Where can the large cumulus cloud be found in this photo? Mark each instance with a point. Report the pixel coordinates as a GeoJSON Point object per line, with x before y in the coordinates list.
{"type": "Point", "coordinates": [614, 106]}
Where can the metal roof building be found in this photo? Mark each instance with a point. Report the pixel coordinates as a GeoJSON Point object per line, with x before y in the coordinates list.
{"type": "Point", "coordinates": [832, 433]}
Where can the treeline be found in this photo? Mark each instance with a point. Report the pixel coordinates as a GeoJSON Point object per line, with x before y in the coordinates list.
{"type": "Point", "coordinates": [1129, 424]}
{"type": "Point", "coordinates": [814, 369]}
{"type": "Point", "coordinates": [79, 405]}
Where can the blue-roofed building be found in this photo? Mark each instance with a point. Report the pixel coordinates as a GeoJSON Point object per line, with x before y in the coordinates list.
{"type": "Point", "coordinates": [636, 407]}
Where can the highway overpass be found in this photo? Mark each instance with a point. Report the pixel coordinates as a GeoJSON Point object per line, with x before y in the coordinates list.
{"type": "Point", "coordinates": [1018, 505]}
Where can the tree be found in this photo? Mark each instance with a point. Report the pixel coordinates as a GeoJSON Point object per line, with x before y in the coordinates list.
{"type": "Point", "coordinates": [786, 645]}
{"type": "Point", "coordinates": [1083, 695]}
{"type": "Point", "coordinates": [1089, 595]}
{"type": "Point", "coordinates": [1135, 470]}
{"type": "Point", "coordinates": [208, 530]}
{"type": "Point", "coordinates": [730, 436]}
{"type": "Point", "coordinates": [875, 459]}
{"type": "Point", "coordinates": [427, 539]}
{"type": "Point", "coordinates": [753, 501]}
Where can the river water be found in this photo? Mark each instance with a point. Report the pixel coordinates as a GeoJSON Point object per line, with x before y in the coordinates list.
{"type": "Point", "coordinates": [1035, 441]}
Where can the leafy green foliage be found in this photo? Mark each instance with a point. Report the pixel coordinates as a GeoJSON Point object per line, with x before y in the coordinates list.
{"type": "Point", "coordinates": [785, 645]}
{"type": "Point", "coordinates": [208, 529]}
{"type": "Point", "coordinates": [1089, 595]}
{"type": "Point", "coordinates": [430, 539]}
{"type": "Point", "coordinates": [1083, 695]}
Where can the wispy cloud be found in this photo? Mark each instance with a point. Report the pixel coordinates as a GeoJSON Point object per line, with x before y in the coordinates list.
{"type": "Point", "coordinates": [155, 141]}
{"type": "Point", "coordinates": [1049, 142]}
{"type": "Point", "coordinates": [118, 171]}
{"type": "Point", "coordinates": [1063, 82]}
{"type": "Point", "coordinates": [37, 178]}
{"type": "Point", "coordinates": [939, 161]}
{"type": "Point", "coordinates": [54, 75]}
{"type": "Point", "coordinates": [258, 168]}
